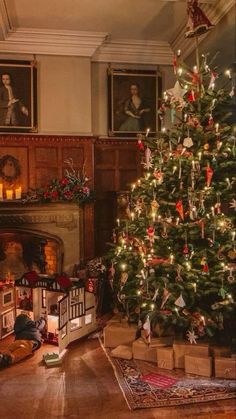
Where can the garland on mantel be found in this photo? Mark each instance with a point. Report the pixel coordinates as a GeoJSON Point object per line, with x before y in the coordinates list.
{"type": "Point", "coordinates": [73, 187]}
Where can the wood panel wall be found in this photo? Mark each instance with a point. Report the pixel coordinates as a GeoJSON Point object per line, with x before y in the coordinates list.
{"type": "Point", "coordinates": [116, 166]}
{"type": "Point", "coordinates": [42, 157]}
{"type": "Point", "coordinates": [111, 164]}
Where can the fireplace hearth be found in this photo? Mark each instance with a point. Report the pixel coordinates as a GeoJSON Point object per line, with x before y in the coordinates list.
{"type": "Point", "coordinates": [44, 237]}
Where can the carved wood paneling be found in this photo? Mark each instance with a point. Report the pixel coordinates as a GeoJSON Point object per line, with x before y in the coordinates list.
{"type": "Point", "coordinates": [42, 157]}
{"type": "Point", "coordinates": [117, 165]}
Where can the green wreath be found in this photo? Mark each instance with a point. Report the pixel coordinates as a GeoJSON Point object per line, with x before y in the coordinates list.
{"type": "Point", "coordinates": [15, 163]}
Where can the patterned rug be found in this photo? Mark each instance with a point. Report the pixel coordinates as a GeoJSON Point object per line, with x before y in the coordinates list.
{"type": "Point", "coordinates": [188, 388]}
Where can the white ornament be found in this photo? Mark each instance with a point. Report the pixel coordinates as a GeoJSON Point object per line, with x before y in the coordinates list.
{"type": "Point", "coordinates": [233, 204]}
{"type": "Point", "coordinates": [155, 295]}
{"type": "Point", "coordinates": [180, 301]}
{"type": "Point", "coordinates": [191, 336]}
{"type": "Point", "coordinates": [188, 142]}
{"type": "Point", "coordinates": [148, 158]}
{"type": "Point", "coordinates": [147, 330]}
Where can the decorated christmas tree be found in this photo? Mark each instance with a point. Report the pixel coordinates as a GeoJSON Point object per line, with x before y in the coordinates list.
{"type": "Point", "coordinates": [174, 257]}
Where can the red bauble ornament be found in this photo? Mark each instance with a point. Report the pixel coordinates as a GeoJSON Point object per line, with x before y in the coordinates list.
{"type": "Point", "coordinates": [140, 145]}
{"type": "Point", "coordinates": [186, 249]}
{"type": "Point", "coordinates": [150, 231]}
{"type": "Point", "coordinates": [191, 96]}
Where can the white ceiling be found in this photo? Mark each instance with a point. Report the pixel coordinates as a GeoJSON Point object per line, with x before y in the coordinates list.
{"type": "Point", "coordinates": [133, 19]}
{"type": "Point", "coordinates": [106, 29]}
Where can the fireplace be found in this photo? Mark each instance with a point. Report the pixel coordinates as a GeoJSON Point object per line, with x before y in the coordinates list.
{"type": "Point", "coordinates": [42, 237]}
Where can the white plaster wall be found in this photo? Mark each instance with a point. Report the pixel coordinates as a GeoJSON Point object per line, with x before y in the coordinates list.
{"type": "Point", "coordinates": [64, 93]}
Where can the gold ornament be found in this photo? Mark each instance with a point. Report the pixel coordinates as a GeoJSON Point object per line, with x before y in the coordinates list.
{"type": "Point", "coordinates": [232, 254]}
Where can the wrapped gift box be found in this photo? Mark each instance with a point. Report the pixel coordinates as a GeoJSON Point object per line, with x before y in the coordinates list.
{"type": "Point", "coordinates": [168, 340]}
{"type": "Point", "coordinates": [220, 351]}
{"type": "Point", "coordinates": [183, 348]}
{"type": "Point", "coordinates": [165, 358]}
{"type": "Point", "coordinates": [147, 352]}
{"type": "Point", "coordinates": [225, 368]}
{"type": "Point", "coordinates": [198, 365]}
{"type": "Point", "coordinates": [122, 351]}
{"type": "Point", "coordinates": [116, 334]}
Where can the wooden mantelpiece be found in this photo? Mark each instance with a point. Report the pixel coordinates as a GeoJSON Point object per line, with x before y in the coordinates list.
{"type": "Point", "coordinates": [42, 157]}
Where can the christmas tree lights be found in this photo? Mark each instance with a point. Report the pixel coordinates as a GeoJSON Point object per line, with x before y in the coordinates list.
{"type": "Point", "coordinates": [174, 258]}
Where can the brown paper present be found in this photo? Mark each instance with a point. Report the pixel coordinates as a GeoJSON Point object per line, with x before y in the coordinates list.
{"type": "Point", "coordinates": [183, 348]}
{"type": "Point", "coordinates": [167, 340]}
{"type": "Point", "coordinates": [165, 358]}
{"type": "Point", "coordinates": [123, 352]}
{"type": "Point", "coordinates": [225, 368]}
{"type": "Point", "coordinates": [116, 334]}
{"type": "Point", "coordinates": [220, 351]}
{"type": "Point", "coordinates": [198, 365]}
{"type": "Point", "coordinates": [147, 352]}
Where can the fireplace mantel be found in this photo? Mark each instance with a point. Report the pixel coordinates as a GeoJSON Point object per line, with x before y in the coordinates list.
{"type": "Point", "coordinates": [62, 221]}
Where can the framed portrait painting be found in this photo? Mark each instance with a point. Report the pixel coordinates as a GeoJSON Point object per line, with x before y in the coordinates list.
{"type": "Point", "coordinates": [134, 98]}
{"type": "Point", "coordinates": [18, 96]}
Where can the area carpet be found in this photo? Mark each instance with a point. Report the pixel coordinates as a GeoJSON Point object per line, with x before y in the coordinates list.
{"type": "Point", "coordinates": [188, 388]}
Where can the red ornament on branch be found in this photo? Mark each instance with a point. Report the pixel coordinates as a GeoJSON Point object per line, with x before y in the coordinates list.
{"type": "Point", "coordinates": [179, 207]}
{"type": "Point", "coordinates": [209, 174]}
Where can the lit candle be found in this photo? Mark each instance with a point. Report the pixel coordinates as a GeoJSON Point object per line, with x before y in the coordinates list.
{"type": "Point", "coordinates": [147, 132]}
{"type": "Point", "coordinates": [9, 193]}
{"type": "Point", "coordinates": [18, 192]}
{"type": "Point", "coordinates": [217, 127]}
{"type": "Point", "coordinates": [180, 71]}
{"type": "Point", "coordinates": [118, 222]}
{"type": "Point", "coordinates": [213, 211]}
{"type": "Point", "coordinates": [178, 52]}
{"type": "Point", "coordinates": [1, 191]}
{"type": "Point", "coordinates": [132, 216]}
{"type": "Point", "coordinates": [153, 216]}
{"type": "Point", "coordinates": [228, 73]}
{"type": "Point", "coordinates": [200, 155]}
{"type": "Point", "coordinates": [194, 286]}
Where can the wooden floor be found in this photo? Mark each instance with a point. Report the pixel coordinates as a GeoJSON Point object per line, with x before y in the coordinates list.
{"type": "Point", "coordinates": [84, 387]}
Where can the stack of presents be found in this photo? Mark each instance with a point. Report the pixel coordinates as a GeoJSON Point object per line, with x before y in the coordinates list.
{"type": "Point", "coordinates": [201, 359]}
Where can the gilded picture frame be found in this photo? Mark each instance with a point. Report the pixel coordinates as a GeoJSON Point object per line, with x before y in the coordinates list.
{"type": "Point", "coordinates": [18, 96]}
{"type": "Point", "coordinates": [133, 100]}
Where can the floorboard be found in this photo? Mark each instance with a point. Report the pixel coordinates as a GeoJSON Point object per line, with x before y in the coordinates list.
{"type": "Point", "coordinates": [84, 387]}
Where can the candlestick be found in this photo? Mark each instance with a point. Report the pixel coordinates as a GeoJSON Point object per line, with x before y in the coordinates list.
{"type": "Point", "coordinates": [1, 191]}
{"type": "Point", "coordinates": [9, 194]}
{"type": "Point", "coordinates": [18, 192]}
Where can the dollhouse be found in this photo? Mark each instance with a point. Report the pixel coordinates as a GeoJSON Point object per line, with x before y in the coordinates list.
{"type": "Point", "coordinates": [70, 312]}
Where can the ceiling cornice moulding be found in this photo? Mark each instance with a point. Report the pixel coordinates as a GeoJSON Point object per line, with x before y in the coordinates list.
{"type": "Point", "coordinates": [215, 13]}
{"type": "Point", "coordinates": [133, 51]}
{"type": "Point", "coordinates": [51, 42]}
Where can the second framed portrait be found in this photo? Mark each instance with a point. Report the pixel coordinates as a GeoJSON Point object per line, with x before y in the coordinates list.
{"type": "Point", "coordinates": [18, 96]}
{"type": "Point", "coordinates": [134, 98]}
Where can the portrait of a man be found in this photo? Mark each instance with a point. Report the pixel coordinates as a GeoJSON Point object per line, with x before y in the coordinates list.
{"type": "Point", "coordinates": [17, 96]}
{"type": "Point", "coordinates": [133, 99]}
